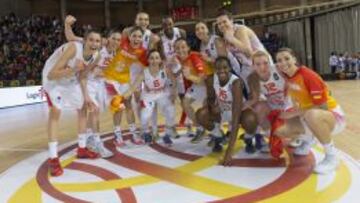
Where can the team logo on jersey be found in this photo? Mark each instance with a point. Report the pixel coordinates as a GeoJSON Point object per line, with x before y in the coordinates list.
{"type": "Point", "coordinates": [276, 76]}
{"type": "Point", "coordinates": [162, 74]}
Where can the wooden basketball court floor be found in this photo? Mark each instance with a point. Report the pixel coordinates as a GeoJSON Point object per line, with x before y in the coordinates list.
{"type": "Point", "coordinates": [23, 135]}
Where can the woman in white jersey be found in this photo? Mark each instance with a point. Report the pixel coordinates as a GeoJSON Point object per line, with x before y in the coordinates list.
{"type": "Point", "coordinates": [156, 91]}
{"type": "Point", "coordinates": [150, 40]}
{"type": "Point", "coordinates": [96, 86]}
{"type": "Point", "coordinates": [241, 41]}
{"type": "Point", "coordinates": [64, 80]}
{"type": "Point", "coordinates": [213, 46]}
{"type": "Point", "coordinates": [224, 104]}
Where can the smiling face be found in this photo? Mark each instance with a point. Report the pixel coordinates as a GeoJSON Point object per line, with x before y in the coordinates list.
{"type": "Point", "coordinates": [262, 66]}
{"type": "Point", "coordinates": [154, 59]}
{"type": "Point", "coordinates": [92, 42]}
{"type": "Point", "coordinates": [286, 63]}
{"type": "Point", "coordinates": [222, 70]}
{"type": "Point", "coordinates": [114, 41]}
{"type": "Point", "coordinates": [182, 49]}
{"type": "Point", "coordinates": [224, 23]}
{"type": "Point", "coordinates": [142, 20]}
{"type": "Point", "coordinates": [136, 38]}
{"type": "Point", "coordinates": [168, 25]}
{"type": "Point", "coordinates": [201, 31]}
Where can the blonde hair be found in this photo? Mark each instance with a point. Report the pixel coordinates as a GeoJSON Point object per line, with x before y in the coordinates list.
{"type": "Point", "coordinates": [260, 53]}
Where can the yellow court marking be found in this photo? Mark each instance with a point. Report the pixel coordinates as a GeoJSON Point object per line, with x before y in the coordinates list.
{"type": "Point", "coordinates": [201, 184]}
{"type": "Point", "coordinates": [307, 189]}
{"type": "Point", "coordinates": [31, 190]}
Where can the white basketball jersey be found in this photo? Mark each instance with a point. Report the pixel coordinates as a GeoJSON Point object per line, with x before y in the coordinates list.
{"type": "Point", "coordinates": [50, 63]}
{"type": "Point", "coordinates": [146, 38]}
{"type": "Point", "coordinates": [106, 57]}
{"type": "Point", "coordinates": [155, 86]}
{"type": "Point", "coordinates": [210, 48]}
{"type": "Point", "coordinates": [224, 93]}
{"type": "Point", "coordinates": [274, 90]}
{"type": "Point", "coordinates": [168, 44]}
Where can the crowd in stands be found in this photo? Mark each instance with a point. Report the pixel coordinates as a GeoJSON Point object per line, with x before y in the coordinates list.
{"type": "Point", "coordinates": [26, 43]}
{"type": "Point", "coordinates": [272, 42]}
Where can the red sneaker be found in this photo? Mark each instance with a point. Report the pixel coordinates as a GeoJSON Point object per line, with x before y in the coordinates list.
{"type": "Point", "coordinates": [85, 153]}
{"type": "Point", "coordinates": [55, 168]}
{"type": "Point", "coordinates": [137, 141]}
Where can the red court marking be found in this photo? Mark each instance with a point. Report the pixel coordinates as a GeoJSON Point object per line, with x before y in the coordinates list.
{"type": "Point", "coordinates": [299, 170]}
{"type": "Point", "coordinates": [125, 194]}
{"type": "Point", "coordinates": [43, 180]}
{"type": "Point", "coordinates": [234, 162]}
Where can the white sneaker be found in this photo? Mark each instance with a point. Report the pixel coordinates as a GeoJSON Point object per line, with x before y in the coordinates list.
{"type": "Point", "coordinates": [98, 147]}
{"type": "Point", "coordinates": [328, 164]}
{"type": "Point", "coordinates": [103, 151]}
{"type": "Point", "coordinates": [295, 143]}
{"type": "Point", "coordinates": [303, 149]}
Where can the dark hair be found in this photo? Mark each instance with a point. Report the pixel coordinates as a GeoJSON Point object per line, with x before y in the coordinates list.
{"type": "Point", "coordinates": [222, 59]}
{"type": "Point", "coordinates": [286, 49]}
{"type": "Point", "coordinates": [113, 32]}
{"type": "Point", "coordinates": [88, 32]}
{"type": "Point", "coordinates": [167, 17]}
{"type": "Point", "coordinates": [155, 50]}
{"type": "Point", "coordinates": [136, 28]}
{"type": "Point", "coordinates": [224, 12]}
{"type": "Point", "coordinates": [180, 39]}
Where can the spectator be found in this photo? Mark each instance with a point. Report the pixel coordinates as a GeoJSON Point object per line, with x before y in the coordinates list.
{"type": "Point", "coordinates": [333, 62]}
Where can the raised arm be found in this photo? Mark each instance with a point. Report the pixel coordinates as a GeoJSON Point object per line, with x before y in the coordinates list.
{"type": "Point", "coordinates": [69, 34]}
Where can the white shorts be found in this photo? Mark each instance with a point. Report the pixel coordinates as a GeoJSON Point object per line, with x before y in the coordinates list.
{"type": "Point", "coordinates": [65, 97]}
{"type": "Point", "coordinates": [340, 123]}
{"type": "Point", "coordinates": [166, 106]}
{"type": "Point", "coordinates": [97, 93]}
{"type": "Point", "coordinates": [113, 87]}
{"type": "Point", "coordinates": [196, 92]}
{"type": "Point", "coordinates": [340, 120]}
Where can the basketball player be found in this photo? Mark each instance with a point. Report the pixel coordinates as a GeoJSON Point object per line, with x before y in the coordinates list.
{"type": "Point", "coordinates": [224, 104]}
{"type": "Point", "coordinates": [213, 46]}
{"type": "Point", "coordinates": [150, 40]}
{"type": "Point", "coordinates": [118, 77]}
{"type": "Point", "coordinates": [64, 80]}
{"type": "Point", "coordinates": [314, 111]}
{"type": "Point", "coordinates": [242, 42]}
{"type": "Point", "coordinates": [96, 86]}
{"type": "Point", "coordinates": [194, 71]}
{"type": "Point", "coordinates": [156, 91]}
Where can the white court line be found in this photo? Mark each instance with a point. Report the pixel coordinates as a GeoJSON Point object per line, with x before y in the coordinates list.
{"type": "Point", "coordinates": [21, 149]}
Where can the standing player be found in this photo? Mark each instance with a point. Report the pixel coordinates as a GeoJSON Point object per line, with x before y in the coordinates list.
{"type": "Point", "coordinates": [118, 77]}
{"type": "Point", "coordinates": [224, 104]}
{"type": "Point", "coordinates": [314, 111]}
{"type": "Point", "coordinates": [64, 81]}
{"type": "Point", "coordinates": [156, 91]}
{"type": "Point", "coordinates": [96, 86]}
{"type": "Point", "coordinates": [213, 46]}
{"type": "Point", "coordinates": [150, 39]}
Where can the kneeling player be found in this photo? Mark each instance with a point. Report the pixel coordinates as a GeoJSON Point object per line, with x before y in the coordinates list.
{"type": "Point", "coordinates": [224, 104]}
